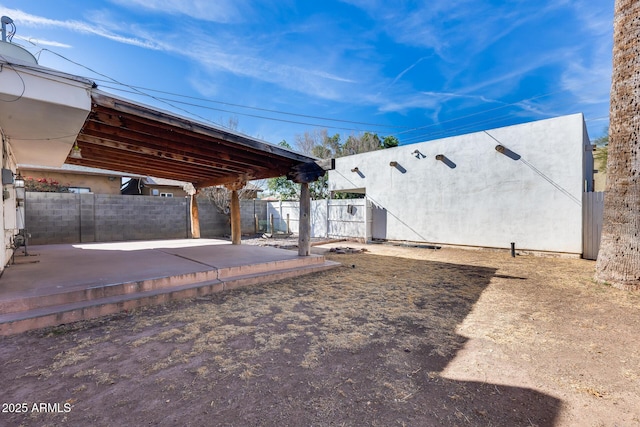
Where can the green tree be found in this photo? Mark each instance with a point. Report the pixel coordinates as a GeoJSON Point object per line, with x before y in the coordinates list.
{"type": "Point", "coordinates": [602, 151]}
{"type": "Point", "coordinates": [282, 187]}
{"type": "Point", "coordinates": [362, 143]}
{"type": "Point", "coordinates": [319, 144]}
{"type": "Point", "coordinates": [320, 189]}
{"type": "Point", "coordinates": [325, 147]}
{"type": "Point", "coordinates": [390, 141]}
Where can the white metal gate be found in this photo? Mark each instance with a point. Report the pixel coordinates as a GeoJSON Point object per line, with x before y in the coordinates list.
{"type": "Point", "coordinates": [592, 212]}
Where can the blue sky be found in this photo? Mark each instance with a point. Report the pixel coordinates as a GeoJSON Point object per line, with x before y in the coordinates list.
{"type": "Point", "coordinates": [418, 70]}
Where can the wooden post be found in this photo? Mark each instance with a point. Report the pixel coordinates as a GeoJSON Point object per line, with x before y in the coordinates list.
{"type": "Point", "coordinates": [304, 174]}
{"type": "Point", "coordinates": [304, 227]}
{"type": "Point", "coordinates": [366, 220]}
{"type": "Point", "coordinates": [236, 226]}
{"type": "Point", "coordinates": [272, 224]}
{"type": "Point", "coordinates": [288, 226]}
{"type": "Point", "coordinates": [328, 224]}
{"type": "Point", "coordinates": [195, 218]}
{"type": "Point", "coordinates": [256, 223]}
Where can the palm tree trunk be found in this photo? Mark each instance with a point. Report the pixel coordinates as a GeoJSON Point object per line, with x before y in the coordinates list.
{"type": "Point", "coordinates": [619, 258]}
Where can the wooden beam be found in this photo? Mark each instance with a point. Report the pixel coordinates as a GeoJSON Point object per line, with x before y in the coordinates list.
{"type": "Point", "coordinates": [184, 125]}
{"type": "Point", "coordinates": [136, 149]}
{"type": "Point", "coordinates": [146, 165]}
{"type": "Point", "coordinates": [275, 171]}
{"type": "Point", "coordinates": [304, 226]}
{"type": "Point", "coordinates": [326, 164]}
{"type": "Point", "coordinates": [306, 172]}
{"type": "Point", "coordinates": [133, 138]}
{"type": "Point", "coordinates": [177, 145]}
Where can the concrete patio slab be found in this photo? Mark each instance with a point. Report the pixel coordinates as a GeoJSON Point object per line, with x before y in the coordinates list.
{"type": "Point", "coordinates": [56, 284]}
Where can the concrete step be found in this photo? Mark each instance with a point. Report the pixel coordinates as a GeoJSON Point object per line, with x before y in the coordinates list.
{"type": "Point", "coordinates": [137, 296]}
{"type": "Point", "coordinates": [20, 303]}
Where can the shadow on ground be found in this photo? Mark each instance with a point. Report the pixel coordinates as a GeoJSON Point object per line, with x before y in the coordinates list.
{"type": "Point", "coordinates": [361, 345]}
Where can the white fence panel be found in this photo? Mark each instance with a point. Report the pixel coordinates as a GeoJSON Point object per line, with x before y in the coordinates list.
{"type": "Point", "coordinates": [344, 218]}
{"type": "Point", "coordinates": [319, 218]}
{"type": "Point", "coordinates": [349, 218]}
{"type": "Point", "coordinates": [592, 213]}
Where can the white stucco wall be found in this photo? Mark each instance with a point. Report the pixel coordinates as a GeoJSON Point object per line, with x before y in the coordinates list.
{"type": "Point", "coordinates": [481, 197]}
{"type": "Point", "coordinates": [8, 205]}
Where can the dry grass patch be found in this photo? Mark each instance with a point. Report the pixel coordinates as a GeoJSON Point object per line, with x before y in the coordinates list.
{"type": "Point", "coordinates": [405, 335]}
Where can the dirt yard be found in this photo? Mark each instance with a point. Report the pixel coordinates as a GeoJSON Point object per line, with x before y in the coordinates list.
{"type": "Point", "coordinates": [394, 337]}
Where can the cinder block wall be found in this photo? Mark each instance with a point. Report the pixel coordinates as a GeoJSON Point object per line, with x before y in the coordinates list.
{"type": "Point", "coordinates": [139, 218]}
{"type": "Point", "coordinates": [248, 210]}
{"type": "Point", "coordinates": [52, 218]}
{"type": "Point", "coordinates": [212, 223]}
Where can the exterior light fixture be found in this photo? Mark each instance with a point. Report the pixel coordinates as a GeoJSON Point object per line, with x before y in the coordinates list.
{"type": "Point", "coordinates": [418, 154]}
{"type": "Point", "coordinates": [18, 182]}
{"type": "Point", "coordinates": [355, 169]}
{"type": "Point", "coordinates": [447, 161]}
{"type": "Point", "coordinates": [508, 153]}
{"type": "Point", "coordinates": [393, 164]}
{"type": "Point", "coordinates": [76, 152]}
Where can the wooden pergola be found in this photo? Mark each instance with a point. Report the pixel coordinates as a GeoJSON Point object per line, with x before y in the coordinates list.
{"type": "Point", "coordinates": [119, 134]}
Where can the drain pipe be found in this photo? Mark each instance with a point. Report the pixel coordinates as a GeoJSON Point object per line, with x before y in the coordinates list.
{"type": "Point", "coordinates": [513, 249]}
{"type": "Point", "coordinates": [5, 20]}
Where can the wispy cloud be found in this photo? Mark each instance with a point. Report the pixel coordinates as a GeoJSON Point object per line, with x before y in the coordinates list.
{"type": "Point", "coordinates": [596, 16]}
{"type": "Point", "coordinates": [423, 101]}
{"type": "Point", "coordinates": [449, 27]}
{"type": "Point", "coordinates": [43, 42]}
{"type": "Point", "coordinates": [222, 53]}
{"type": "Point", "coordinates": [305, 80]}
{"type": "Point", "coordinates": [450, 95]}
{"type": "Point", "coordinates": [585, 78]}
{"type": "Point", "coordinates": [222, 11]}
{"type": "Point", "coordinates": [406, 70]}
{"type": "Point", "coordinates": [597, 78]}
{"type": "Point", "coordinates": [33, 21]}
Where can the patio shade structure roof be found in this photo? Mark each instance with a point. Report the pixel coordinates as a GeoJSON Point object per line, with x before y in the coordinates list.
{"type": "Point", "coordinates": [45, 112]}
{"type": "Point", "coordinates": [122, 135]}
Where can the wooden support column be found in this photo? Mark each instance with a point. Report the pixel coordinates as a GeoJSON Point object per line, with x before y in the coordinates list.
{"type": "Point", "coordinates": [304, 227]}
{"type": "Point", "coordinates": [303, 174]}
{"type": "Point", "coordinates": [195, 218]}
{"type": "Point", "coordinates": [236, 224]}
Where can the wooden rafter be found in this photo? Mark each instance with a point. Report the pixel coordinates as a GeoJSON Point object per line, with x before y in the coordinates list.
{"type": "Point", "coordinates": [129, 137]}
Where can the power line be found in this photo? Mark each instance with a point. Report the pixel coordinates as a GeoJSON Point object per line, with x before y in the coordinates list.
{"type": "Point", "coordinates": [250, 115]}
{"type": "Point", "coordinates": [170, 102]}
{"type": "Point", "coordinates": [483, 112]}
{"type": "Point", "coordinates": [123, 84]}
{"type": "Point", "coordinates": [307, 116]}
{"type": "Point", "coordinates": [474, 124]}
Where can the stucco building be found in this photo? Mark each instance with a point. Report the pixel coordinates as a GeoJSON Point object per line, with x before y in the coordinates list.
{"type": "Point", "coordinates": [522, 184]}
